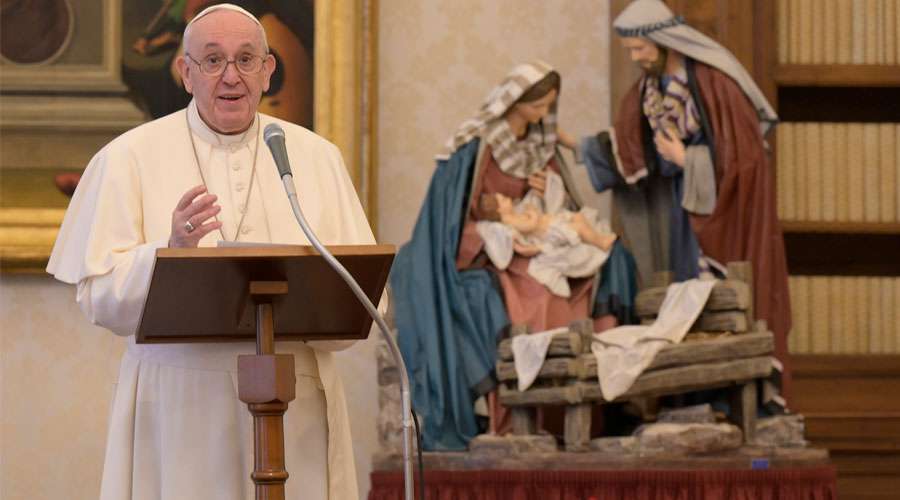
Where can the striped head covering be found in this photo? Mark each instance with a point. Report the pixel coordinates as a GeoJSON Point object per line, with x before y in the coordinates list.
{"type": "Point", "coordinates": [652, 19]}
{"type": "Point", "coordinates": [519, 158]}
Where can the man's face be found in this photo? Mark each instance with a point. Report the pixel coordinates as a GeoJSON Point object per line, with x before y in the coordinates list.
{"type": "Point", "coordinates": [226, 102]}
{"type": "Point", "coordinates": [643, 52]}
{"type": "Point", "coordinates": [535, 111]}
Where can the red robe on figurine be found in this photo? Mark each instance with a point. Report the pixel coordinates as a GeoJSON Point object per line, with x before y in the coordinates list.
{"type": "Point", "coordinates": [717, 204]}
{"type": "Point", "coordinates": [744, 224]}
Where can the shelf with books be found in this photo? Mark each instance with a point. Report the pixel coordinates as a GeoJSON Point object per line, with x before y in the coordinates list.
{"type": "Point", "coordinates": [830, 67]}
{"type": "Point", "coordinates": [839, 177]}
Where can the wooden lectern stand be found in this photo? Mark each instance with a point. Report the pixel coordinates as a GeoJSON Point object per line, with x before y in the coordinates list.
{"type": "Point", "coordinates": [267, 293]}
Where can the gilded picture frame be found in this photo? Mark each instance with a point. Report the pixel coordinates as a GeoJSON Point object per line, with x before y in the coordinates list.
{"type": "Point", "coordinates": [53, 119]}
{"type": "Point", "coordinates": [91, 62]}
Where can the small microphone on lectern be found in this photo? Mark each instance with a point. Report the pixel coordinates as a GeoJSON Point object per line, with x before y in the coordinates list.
{"type": "Point", "coordinates": [274, 137]}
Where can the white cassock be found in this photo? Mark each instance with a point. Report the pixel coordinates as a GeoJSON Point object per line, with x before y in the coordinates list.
{"type": "Point", "coordinates": [177, 429]}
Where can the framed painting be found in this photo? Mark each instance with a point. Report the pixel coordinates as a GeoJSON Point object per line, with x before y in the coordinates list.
{"type": "Point", "coordinates": [74, 74]}
{"type": "Point", "coordinates": [60, 46]}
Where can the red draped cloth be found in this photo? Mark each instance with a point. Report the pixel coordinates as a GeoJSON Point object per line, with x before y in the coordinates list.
{"type": "Point", "coordinates": [809, 483]}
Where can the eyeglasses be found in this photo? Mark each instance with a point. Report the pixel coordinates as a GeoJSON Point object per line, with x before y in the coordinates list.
{"type": "Point", "coordinates": [215, 64]}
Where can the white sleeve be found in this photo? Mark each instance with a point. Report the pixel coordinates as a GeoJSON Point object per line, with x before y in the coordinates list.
{"type": "Point", "coordinates": [699, 181]}
{"type": "Point", "coordinates": [115, 300]}
{"type": "Point", "coordinates": [554, 193]}
{"type": "Point", "coordinates": [498, 242]}
{"type": "Point", "coordinates": [101, 245]}
{"type": "Point", "coordinates": [353, 227]}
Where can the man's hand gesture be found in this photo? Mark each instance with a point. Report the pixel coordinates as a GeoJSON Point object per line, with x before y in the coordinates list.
{"type": "Point", "coordinates": [190, 220]}
{"type": "Point", "coordinates": [672, 150]}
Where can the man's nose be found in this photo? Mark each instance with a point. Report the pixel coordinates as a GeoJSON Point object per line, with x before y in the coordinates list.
{"type": "Point", "coordinates": [231, 75]}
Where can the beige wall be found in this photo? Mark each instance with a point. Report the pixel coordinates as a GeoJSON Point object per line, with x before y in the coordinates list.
{"type": "Point", "coordinates": [439, 59]}
{"type": "Point", "coordinates": [56, 376]}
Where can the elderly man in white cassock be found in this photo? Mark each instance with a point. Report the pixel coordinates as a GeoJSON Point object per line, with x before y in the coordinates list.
{"type": "Point", "coordinates": [178, 429]}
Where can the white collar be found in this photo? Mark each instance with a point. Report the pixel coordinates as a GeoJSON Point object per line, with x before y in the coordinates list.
{"type": "Point", "coordinates": [208, 135]}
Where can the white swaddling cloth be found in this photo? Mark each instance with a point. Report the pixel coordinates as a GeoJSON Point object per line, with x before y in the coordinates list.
{"type": "Point", "coordinates": [623, 353]}
{"type": "Point", "coordinates": [529, 352]}
{"type": "Point", "coordinates": [563, 254]}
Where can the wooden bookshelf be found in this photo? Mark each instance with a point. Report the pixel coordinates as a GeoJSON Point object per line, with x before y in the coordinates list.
{"type": "Point", "coordinates": [841, 227]}
{"type": "Point", "coordinates": [836, 75]}
{"type": "Point", "coordinates": [844, 397]}
{"type": "Point", "coordinates": [828, 253]}
{"type": "Point", "coordinates": [847, 405]}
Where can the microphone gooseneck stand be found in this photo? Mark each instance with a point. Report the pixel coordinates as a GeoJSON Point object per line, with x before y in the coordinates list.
{"type": "Point", "coordinates": [274, 132]}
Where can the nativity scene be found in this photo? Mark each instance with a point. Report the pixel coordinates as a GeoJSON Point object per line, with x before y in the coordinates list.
{"type": "Point", "coordinates": [512, 299]}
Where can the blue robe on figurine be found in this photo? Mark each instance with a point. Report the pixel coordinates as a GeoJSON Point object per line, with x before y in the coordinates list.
{"type": "Point", "coordinates": [449, 321]}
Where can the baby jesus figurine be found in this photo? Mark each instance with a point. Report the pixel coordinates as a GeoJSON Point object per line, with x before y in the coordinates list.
{"type": "Point", "coordinates": [562, 244]}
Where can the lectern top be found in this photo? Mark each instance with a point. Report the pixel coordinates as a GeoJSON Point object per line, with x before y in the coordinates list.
{"type": "Point", "coordinates": [272, 251]}
{"type": "Point", "coordinates": [203, 294]}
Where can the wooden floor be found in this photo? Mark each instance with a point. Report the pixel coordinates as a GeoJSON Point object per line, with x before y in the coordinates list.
{"type": "Point", "coordinates": [852, 408]}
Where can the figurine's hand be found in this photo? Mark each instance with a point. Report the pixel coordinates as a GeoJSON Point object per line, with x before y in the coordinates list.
{"type": "Point", "coordinates": [526, 250]}
{"type": "Point", "coordinates": [538, 181]}
{"type": "Point", "coordinates": [565, 139]}
{"type": "Point", "coordinates": [189, 219]}
{"type": "Point", "coordinates": [607, 241]}
{"type": "Point", "coordinates": [671, 150]}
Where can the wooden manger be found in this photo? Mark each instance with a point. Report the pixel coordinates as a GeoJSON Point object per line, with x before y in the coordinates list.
{"type": "Point", "coordinates": [737, 354]}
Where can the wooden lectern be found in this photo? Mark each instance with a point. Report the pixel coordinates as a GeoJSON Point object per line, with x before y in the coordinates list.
{"type": "Point", "coordinates": [268, 293]}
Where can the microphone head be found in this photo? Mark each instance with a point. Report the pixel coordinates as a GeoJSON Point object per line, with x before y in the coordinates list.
{"type": "Point", "coordinates": [274, 136]}
{"type": "Point", "coordinates": [273, 130]}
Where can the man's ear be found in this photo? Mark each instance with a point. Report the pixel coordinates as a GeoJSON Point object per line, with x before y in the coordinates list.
{"type": "Point", "coordinates": [184, 69]}
{"type": "Point", "coordinates": [268, 69]}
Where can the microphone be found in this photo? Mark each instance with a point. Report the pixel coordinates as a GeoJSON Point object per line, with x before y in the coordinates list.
{"type": "Point", "coordinates": [274, 137]}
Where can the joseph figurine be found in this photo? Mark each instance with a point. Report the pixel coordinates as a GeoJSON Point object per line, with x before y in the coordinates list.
{"type": "Point", "coordinates": [687, 163]}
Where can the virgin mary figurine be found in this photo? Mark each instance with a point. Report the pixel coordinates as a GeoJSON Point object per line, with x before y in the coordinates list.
{"type": "Point", "coordinates": [452, 304]}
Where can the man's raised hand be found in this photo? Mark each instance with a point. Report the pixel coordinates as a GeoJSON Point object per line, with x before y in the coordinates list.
{"type": "Point", "coordinates": [191, 218]}
{"type": "Point", "coordinates": [672, 150]}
